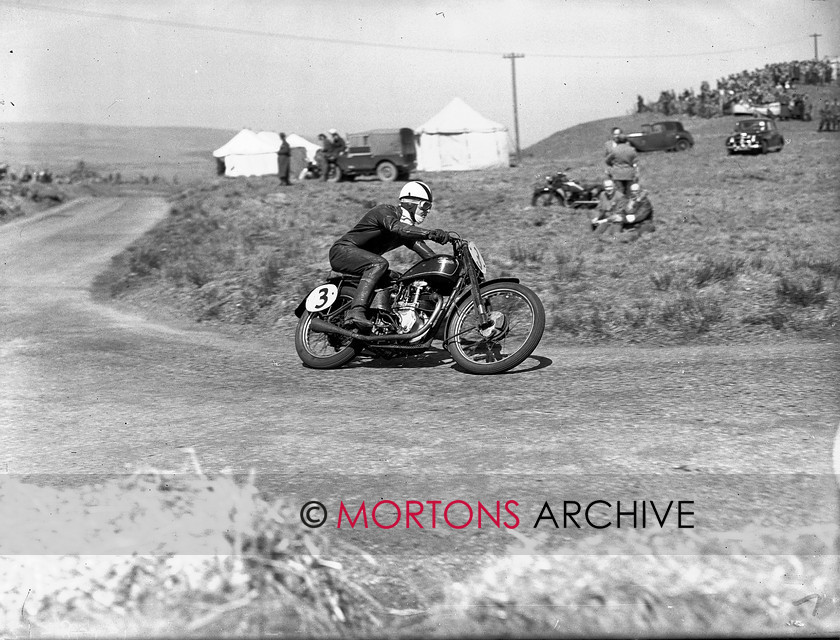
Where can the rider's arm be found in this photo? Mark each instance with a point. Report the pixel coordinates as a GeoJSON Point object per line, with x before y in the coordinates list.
{"type": "Point", "coordinates": [422, 249]}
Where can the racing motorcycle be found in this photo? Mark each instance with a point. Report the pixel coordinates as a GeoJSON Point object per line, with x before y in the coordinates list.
{"type": "Point", "coordinates": [569, 192]}
{"type": "Point", "coordinates": [487, 325]}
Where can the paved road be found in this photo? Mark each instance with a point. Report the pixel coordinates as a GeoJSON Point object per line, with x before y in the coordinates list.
{"type": "Point", "coordinates": [85, 390]}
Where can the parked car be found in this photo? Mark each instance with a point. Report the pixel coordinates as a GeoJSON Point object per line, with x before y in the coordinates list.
{"type": "Point", "coordinates": [667, 136]}
{"type": "Point", "coordinates": [385, 153]}
{"type": "Point", "coordinates": [756, 135]}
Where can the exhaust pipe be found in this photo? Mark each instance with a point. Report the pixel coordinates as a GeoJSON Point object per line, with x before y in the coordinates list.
{"type": "Point", "coordinates": [322, 326]}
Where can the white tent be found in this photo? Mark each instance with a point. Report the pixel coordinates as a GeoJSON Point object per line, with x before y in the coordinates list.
{"type": "Point", "coordinates": [255, 154]}
{"type": "Point", "coordinates": [459, 138]}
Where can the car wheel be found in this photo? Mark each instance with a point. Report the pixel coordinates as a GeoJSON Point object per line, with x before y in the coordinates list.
{"type": "Point", "coordinates": [682, 144]}
{"type": "Point", "coordinates": [386, 171]}
{"type": "Point", "coordinates": [764, 147]}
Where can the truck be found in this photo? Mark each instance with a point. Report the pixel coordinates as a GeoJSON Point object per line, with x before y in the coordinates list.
{"type": "Point", "coordinates": [388, 154]}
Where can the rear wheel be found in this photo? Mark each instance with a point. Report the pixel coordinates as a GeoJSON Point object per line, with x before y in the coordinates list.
{"type": "Point", "coordinates": [518, 324]}
{"type": "Point", "coordinates": [386, 171]}
{"type": "Point", "coordinates": [682, 144]}
{"type": "Point", "coordinates": [325, 350]}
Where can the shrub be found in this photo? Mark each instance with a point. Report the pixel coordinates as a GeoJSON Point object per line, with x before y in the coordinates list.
{"type": "Point", "coordinates": [717, 270]}
{"type": "Point", "coordinates": [801, 294]}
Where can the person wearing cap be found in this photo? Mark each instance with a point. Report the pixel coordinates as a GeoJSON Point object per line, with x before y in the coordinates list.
{"type": "Point", "coordinates": [610, 202]}
{"type": "Point", "coordinates": [633, 219]}
{"type": "Point", "coordinates": [623, 164]}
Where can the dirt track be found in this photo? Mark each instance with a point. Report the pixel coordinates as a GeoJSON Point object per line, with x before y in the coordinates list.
{"type": "Point", "coordinates": [89, 390]}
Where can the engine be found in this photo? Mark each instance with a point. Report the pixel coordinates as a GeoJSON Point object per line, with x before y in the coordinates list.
{"type": "Point", "coordinates": [413, 305]}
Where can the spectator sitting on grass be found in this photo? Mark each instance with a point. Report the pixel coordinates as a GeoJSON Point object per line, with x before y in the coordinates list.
{"type": "Point", "coordinates": [632, 220]}
{"type": "Point", "coordinates": [610, 202]}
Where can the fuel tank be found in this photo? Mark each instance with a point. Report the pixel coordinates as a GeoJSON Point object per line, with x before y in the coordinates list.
{"type": "Point", "coordinates": [441, 272]}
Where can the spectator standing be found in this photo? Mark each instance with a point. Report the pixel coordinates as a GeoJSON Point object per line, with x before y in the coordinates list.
{"type": "Point", "coordinates": [623, 164]}
{"type": "Point", "coordinates": [611, 144]}
{"type": "Point", "coordinates": [322, 156]}
{"type": "Point", "coordinates": [336, 145]}
{"type": "Point", "coordinates": [825, 117]}
{"type": "Point", "coordinates": [284, 160]}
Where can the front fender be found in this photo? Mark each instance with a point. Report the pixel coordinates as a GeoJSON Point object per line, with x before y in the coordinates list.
{"type": "Point", "coordinates": [467, 292]}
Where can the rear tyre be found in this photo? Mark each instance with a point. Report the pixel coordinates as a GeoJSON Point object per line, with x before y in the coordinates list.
{"type": "Point", "coordinates": [682, 144]}
{"type": "Point", "coordinates": [519, 322]}
{"type": "Point", "coordinates": [325, 350]}
{"type": "Point", "coordinates": [386, 171]}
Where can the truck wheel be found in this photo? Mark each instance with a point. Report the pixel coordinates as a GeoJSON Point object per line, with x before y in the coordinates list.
{"type": "Point", "coordinates": [386, 171]}
{"type": "Point", "coordinates": [334, 174]}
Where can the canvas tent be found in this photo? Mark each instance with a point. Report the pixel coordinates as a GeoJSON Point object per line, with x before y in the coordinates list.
{"type": "Point", "coordinates": [459, 138]}
{"type": "Point", "coordinates": [255, 154]}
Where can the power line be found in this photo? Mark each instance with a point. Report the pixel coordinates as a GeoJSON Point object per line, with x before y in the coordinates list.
{"type": "Point", "coordinates": [359, 43]}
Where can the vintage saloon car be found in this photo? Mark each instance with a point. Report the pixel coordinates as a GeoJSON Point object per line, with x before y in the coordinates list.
{"type": "Point", "coordinates": [667, 136]}
{"type": "Point", "coordinates": [756, 135]}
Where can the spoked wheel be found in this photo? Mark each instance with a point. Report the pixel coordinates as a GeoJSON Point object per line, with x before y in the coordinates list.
{"type": "Point", "coordinates": [325, 350]}
{"type": "Point", "coordinates": [543, 199]}
{"type": "Point", "coordinates": [518, 324]}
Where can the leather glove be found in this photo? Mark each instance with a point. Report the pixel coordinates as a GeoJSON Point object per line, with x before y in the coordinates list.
{"type": "Point", "coordinates": [439, 235]}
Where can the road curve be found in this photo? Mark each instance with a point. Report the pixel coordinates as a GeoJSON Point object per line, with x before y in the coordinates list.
{"type": "Point", "coordinates": [745, 432]}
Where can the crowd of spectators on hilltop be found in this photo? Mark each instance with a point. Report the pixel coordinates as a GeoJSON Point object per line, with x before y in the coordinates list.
{"type": "Point", "coordinates": [775, 82]}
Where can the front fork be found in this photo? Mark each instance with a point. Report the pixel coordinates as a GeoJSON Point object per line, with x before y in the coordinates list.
{"type": "Point", "coordinates": [484, 320]}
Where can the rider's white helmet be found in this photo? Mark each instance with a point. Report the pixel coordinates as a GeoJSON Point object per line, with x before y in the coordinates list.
{"type": "Point", "coordinates": [416, 200]}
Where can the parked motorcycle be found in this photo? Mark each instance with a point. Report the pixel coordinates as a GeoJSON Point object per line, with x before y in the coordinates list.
{"type": "Point", "coordinates": [568, 192]}
{"type": "Point", "coordinates": [488, 326]}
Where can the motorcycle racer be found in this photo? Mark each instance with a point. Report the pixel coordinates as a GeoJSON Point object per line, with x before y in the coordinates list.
{"type": "Point", "coordinates": [384, 228]}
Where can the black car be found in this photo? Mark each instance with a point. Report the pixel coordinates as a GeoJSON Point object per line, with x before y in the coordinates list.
{"type": "Point", "coordinates": [661, 136]}
{"type": "Point", "coordinates": [756, 135]}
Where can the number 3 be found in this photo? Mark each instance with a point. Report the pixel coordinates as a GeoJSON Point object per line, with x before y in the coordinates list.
{"type": "Point", "coordinates": [321, 297]}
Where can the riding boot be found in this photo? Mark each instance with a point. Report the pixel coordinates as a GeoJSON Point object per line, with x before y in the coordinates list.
{"type": "Point", "coordinates": [360, 301]}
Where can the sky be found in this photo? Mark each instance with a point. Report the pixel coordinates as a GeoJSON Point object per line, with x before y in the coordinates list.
{"type": "Point", "coordinates": [305, 66]}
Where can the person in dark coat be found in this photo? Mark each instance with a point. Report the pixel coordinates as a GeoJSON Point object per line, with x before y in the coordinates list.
{"type": "Point", "coordinates": [382, 229]}
{"type": "Point", "coordinates": [633, 219]}
{"type": "Point", "coordinates": [623, 164]}
{"type": "Point", "coordinates": [284, 160]}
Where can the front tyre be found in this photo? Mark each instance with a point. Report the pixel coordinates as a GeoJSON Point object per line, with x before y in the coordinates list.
{"type": "Point", "coordinates": [519, 322]}
{"type": "Point", "coordinates": [325, 350]}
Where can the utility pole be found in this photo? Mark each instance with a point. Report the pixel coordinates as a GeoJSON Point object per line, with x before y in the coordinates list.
{"type": "Point", "coordinates": [513, 57]}
{"type": "Point", "coordinates": [815, 36]}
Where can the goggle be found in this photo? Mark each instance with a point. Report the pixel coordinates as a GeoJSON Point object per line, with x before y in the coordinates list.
{"type": "Point", "coordinates": [424, 205]}
{"type": "Point", "coordinates": [421, 206]}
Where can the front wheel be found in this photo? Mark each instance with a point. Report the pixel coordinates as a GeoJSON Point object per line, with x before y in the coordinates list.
{"type": "Point", "coordinates": [325, 350]}
{"type": "Point", "coordinates": [518, 323]}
